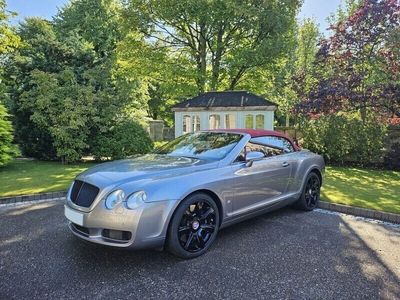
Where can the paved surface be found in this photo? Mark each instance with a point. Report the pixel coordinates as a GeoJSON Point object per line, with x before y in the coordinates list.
{"type": "Point", "coordinates": [283, 255]}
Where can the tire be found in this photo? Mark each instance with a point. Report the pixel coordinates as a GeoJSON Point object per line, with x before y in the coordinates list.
{"type": "Point", "coordinates": [194, 226]}
{"type": "Point", "coordinates": [311, 193]}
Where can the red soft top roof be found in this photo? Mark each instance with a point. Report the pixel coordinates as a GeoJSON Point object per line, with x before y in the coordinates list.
{"type": "Point", "coordinates": [260, 132]}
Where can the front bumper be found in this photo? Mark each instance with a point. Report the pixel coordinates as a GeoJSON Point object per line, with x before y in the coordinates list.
{"type": "Point", "coordinates": [144, 227]}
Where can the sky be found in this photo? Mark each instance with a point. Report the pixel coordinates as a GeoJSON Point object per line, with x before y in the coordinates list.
{"type": "Point", "coordinates": [317, 9]}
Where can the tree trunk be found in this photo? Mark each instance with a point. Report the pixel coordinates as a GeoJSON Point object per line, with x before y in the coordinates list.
{"type": "Point", "coordinates": [202, 60]}
{"type": "Point", "coordinates": [363, 113]}
{"type": "Point", "coordinates": [216, 62]}
{"type": "Point", "coordinates": [236, 79]}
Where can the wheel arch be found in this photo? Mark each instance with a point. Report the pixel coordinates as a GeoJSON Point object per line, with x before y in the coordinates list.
{"type": "Point", "coordinates": [215, 197]}
{"type": "Point", "coordinates": [208, 192]}
{"type": "Point", "coordinates": [318, 172]}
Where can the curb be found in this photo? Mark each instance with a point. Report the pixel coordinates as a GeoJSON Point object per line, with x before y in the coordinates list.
{"type": "Point", "coordinates": [33, 197]}
{"type": "Point", "coordinates": [361, 212]}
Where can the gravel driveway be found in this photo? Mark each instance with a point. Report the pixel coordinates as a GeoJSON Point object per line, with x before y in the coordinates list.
{"type": "Point", "coordinates": [283, 255]}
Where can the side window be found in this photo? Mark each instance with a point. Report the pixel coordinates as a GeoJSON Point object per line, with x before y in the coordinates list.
{"type": "Point", "coordinates": [267, 150]}
{"type": "Point", "coordinates": [276, 141]}
{"type": "Point", "coordinates": [269, 145]}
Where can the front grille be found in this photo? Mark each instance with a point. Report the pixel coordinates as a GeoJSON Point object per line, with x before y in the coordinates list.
{"type": "Point", "coordinates": [83, 194]}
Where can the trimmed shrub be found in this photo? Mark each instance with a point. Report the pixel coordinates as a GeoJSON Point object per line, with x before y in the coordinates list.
{"type": "Point", "coordinates": [7, 149]}
{"type": "Point", "coordinates": [124, 139]}
{"type": "Point", "coordinates": [341, 139]}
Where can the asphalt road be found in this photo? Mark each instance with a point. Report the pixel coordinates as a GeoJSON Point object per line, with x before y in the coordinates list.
{"type": "Point", "coordinates": [283, 255]}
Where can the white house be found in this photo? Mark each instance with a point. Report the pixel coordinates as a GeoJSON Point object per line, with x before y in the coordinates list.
{"type": "Point", "coordinates": [220, 110]}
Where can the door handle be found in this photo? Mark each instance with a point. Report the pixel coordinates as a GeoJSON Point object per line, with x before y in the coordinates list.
{"type": "Point", "coordinates": [285, 164]}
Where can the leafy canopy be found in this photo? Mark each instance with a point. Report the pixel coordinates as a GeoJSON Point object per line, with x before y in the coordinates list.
{"type": "Point", "coordinates": [358, 65]}
{"type": "Point", "coordinates": [221, 41]}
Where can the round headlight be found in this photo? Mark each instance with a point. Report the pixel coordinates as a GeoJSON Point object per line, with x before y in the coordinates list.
{"type": "Point", "coordinates": [115, 198]}
{"type": "Point", "coordinates": [136, 199]}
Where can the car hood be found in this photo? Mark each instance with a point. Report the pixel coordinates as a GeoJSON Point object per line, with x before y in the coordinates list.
{"type": "Point", "coordinates": [150, 166]}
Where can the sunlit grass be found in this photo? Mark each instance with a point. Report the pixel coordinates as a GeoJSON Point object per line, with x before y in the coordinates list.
{"type": "Point", "coordinates": [22, 177]}
{"type": "Point", "coordinates": [373, 189]}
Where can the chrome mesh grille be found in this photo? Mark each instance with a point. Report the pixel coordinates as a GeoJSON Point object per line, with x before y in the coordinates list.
{"type": "Point", "coordinates": [83, 194]}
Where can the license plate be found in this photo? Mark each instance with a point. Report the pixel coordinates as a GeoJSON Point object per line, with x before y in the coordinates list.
{"type": "Point", "coordinates": [74, 216]}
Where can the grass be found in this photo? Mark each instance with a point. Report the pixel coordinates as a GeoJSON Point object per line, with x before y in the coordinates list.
{"type": "Point", "coordinates": [22, 177]}
{"type": "Point", "coordinates": [373, 189]}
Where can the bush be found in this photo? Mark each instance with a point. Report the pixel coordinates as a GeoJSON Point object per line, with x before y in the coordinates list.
{"type": "Point", "coordinates": [124, 139]}
{"type": "Point", "coordinates": [392, 158]}
{"type": "Point", "coordinates": [7, 149]}
{"type": "Point", "coordinates": [342, 139]}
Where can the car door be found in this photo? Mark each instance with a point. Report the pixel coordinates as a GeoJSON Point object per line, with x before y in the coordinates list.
{"type": "Point", "coordinates": [263, 182]}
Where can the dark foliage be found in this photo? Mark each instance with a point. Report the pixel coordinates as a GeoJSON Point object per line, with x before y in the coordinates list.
{"type": "Point", "coordinates": [124, 139]}
{"type": "Point", "coordinates": [341, 139]}
{"type": "Point", "coordinates": [358, 66]}
{"type": "Point", "coordinates": [392, 159]}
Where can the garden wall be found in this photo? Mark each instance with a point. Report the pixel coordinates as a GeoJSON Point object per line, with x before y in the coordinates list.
{"type": "Point", "coordinates": [158, 132]}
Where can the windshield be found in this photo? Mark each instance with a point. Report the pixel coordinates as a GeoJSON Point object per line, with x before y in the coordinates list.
{"type": "Point", "coordinates": [202, 145]}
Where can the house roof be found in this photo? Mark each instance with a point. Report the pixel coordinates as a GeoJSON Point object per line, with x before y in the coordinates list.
{"type": "Point", "coordinates": [228, 99]}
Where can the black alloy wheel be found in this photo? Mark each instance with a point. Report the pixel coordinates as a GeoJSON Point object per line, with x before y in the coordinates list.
{"type": "Point", "coordinates": [311, 193]}
{"type": "Point", "coordinates": [194, 226]}
{"type": "Point", "coordinates": [197, 226]}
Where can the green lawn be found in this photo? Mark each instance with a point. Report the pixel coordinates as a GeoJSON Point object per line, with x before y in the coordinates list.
{"type": "Point", "coordinates": [22, 177]}
{"type": "Point", "coordinates": [374, 189]}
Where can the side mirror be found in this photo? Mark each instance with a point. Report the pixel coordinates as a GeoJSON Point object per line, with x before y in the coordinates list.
{"type": "Point", "coordinates": [253, 156]}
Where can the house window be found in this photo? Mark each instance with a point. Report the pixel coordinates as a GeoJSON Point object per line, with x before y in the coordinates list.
{"type": "Point", "coordinates": [214, 122]}
{"type": "Point", "coordinates": [230, 121]}
{"type": "Point", "coordinates": [249, 122]}
{"type": "Point", "coordinates": [195, 123]}
{"type": "Point", "coordinates": [186, 124]}
{"type": "Point", "coordinates": [260, 122]}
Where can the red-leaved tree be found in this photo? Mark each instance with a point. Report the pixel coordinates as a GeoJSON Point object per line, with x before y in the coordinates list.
{"type": "Point", "coordinates": [358, 66]}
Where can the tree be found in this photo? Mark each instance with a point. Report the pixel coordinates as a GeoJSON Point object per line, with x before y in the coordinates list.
{"type": "Point", "coordinates": [63, 108]}
{"type": "Point", "coordinates": [353, 62]}
{"type": "Point", "coordinates": [293, 76]}
{"type": "Point", "coordinates": [65, 85]}
{"type": "Point", "coordinates": [9, 41]}
{"type": "Point", "coordinates": [222, 40]}
{"type": "Point", "coordinates": [96, 21]}
{"type": "Point", "coordinates": [41, 53]}
{"type": "Point", "coordinates": [7, 149]}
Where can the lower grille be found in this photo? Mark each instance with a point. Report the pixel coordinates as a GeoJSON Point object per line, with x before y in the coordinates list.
{"type": "Point", "coordinates": [83, 194]}
{"type": "Point", "coordinates": [82, 229]}
{"type": "Point", "coordinates": [117, 235]}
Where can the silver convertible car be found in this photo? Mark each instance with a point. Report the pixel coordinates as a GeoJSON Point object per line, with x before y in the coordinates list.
{"type": "Point", "coordinates": [181, 195]}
